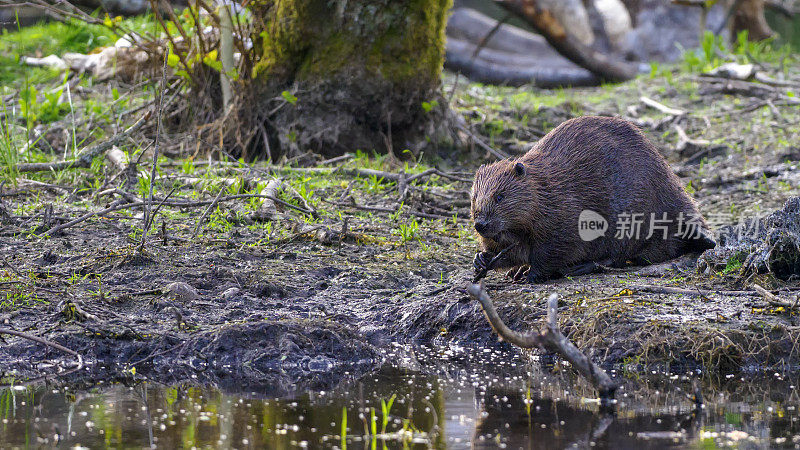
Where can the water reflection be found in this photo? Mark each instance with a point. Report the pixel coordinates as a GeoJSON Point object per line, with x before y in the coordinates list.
{"type": "Point", "coordinates": [459, 407]}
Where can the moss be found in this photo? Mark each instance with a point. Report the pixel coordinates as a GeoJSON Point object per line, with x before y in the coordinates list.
{"type": "Point", "coordinates": [310, 40]}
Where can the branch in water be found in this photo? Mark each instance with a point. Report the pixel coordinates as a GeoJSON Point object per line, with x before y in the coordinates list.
{"type": "Point", "coordinates": [549, 338]}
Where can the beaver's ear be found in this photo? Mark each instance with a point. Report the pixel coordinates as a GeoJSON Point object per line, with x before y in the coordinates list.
{"type": "Point", "coordinates": [519, 169]}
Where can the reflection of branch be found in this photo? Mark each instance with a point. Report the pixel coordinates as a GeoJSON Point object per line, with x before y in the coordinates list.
{"type": "Point", "coordinates": [549, 338]}
{"type": "Point", "coordinates": [604, 420]}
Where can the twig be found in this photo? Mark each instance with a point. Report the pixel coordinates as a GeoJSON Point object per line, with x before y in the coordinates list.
{"type": "Point", "coordinates": [44, 341]}
{"type": "Point", "coordinates": [497, 153]}
{"type": "Point", "coordinates": [178, 204]}
{"type": "Point", "coordinates": [684, 140]}
{"type": "Point", "coordinates": [549, 338]}
{"type": "Point", "coordinates": [338, 159]}
{"type": "Point", "coordinates": [482, 273]}
{"type": "Point", "coordinates": [661, 107]}
{"type": "Point", "coordinates": [86, 156]}
{"type": "Point", "coordinates": [205, 213]}
{"type": "Point", "coordinates": [771, 298]}
{"type": "Point", "coordinates": [391, 211]}
{"type": "Point", "coordinates": [146, 219]}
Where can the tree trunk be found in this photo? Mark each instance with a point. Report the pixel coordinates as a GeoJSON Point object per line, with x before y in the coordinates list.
{"type": "Point", "coordinates": [360, 71]}
{"type": "Point", "coordinates": [750, 16]}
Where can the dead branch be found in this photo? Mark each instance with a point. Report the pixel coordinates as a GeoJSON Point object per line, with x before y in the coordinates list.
{"type": "Point", "coordinates": [773, 299]}
{"type": "Point", "coordinates": [146, 220]}
{"type": "Point", "coordinates": [268, 210]}
{"type": "Point", "coordinates": [606, 67]}
{"type": "Point", "coordinates": [506, 54]}
{"type": "Point", "coordinates": [497, 153]}
{"type": "Point", "coordinates": [44, 341]}
{"type": "Point", "coordinates": [661, 107]}
{"type": "Point", "coordinates": [378, 209]}
{"type": "Point", "coordinates": [86, 156]}
{"type": "Point", "coordinates": [684, 141]}
{"type": "Point", "coordinates": [549, 338]}
{"type": "Point", "coordinates": [497, 67]}
{"type": "Point", "coordinates": [784, 8]}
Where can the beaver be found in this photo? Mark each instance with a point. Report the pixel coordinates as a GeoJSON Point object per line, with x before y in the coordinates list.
{"type": "Point", "coordinates": [594, 192]}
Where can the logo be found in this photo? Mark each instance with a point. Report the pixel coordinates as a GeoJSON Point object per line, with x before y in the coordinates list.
{"type": "Point", "coordinates": [591, 225]}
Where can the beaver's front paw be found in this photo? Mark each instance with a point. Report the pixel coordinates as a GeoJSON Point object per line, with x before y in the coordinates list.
{"type": "Point", "coordinates": [518, 274]}
{"type": "Point", "coordinates": [482, 261]}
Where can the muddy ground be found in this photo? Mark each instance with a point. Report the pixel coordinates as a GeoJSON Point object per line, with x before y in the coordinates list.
{"type": "Point", "coordinates": [284, 301]}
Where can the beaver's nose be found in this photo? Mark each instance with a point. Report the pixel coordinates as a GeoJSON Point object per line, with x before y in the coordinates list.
{"type": "Point", "coordinates": [481, 226]}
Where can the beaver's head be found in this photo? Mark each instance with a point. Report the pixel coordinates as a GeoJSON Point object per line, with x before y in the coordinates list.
{"type": "Point", "coordinates": [503, 200]}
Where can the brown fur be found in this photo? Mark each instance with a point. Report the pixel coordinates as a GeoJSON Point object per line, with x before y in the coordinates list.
{"type": "Point", "coordinates": [601, 164]}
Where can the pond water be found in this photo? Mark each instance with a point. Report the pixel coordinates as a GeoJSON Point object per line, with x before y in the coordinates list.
{"type": "Point", "coordinates": [473, 398]}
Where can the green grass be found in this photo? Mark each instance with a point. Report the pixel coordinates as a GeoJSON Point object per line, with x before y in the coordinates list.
{"type": "Point", "coordinates": [9, 155]}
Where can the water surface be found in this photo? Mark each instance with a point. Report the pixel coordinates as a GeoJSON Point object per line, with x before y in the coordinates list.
{"type": "Point", "coordinates": [471, 399]}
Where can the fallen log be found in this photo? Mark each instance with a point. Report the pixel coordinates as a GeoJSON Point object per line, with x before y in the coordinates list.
{"type": "Point", "coordinates": [495, 67]}
{"type": "Point", "coordinates": [488, 51]}
{"type": "Point", "coordinates": [606, 67]}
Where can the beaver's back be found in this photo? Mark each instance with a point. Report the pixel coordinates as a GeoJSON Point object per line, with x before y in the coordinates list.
{"type": "Point", "coordinates": [609, 164]}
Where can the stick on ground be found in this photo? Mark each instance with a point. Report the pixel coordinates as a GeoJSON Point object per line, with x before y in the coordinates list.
{"type": "Point", "coordinates": [549, 338]}
{"type": "Point", "coordinates": [44, 341]}
{"type": "Point", "coordinates": [86, 156]}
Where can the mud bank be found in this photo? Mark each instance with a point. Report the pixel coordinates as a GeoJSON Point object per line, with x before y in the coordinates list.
{"type": "Point", "coordinates": [303, 300]}
{"type": "Point", "coordinates": [309, 316]}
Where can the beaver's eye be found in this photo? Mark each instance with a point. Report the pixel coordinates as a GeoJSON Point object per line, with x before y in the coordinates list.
{"type": "Point", "coordinates": [499, 197]}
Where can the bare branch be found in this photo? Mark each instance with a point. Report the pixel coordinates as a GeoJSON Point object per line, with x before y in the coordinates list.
{"type": "Point", "coordinates": [44, 341]}
{"type": "Point", "coordinates": [549, 338]}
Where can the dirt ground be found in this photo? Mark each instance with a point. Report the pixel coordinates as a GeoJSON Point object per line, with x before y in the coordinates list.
{"type": "Point", "coordinates": [296, 301]}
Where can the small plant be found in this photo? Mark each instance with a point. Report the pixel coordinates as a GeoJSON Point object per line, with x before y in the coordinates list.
{"type": "Point", "coordinates": [763, 184]}
{"type": "Point", "coordinates": [373, 184]}
{"type": "Point", "coordinates": [429, 106]}
{"type": "Point", "coordinates": [144, 186]}
{"type": "Point", "coordinates": [733, 265]}
{"type": "Point", "coordinates": [289, 97]}
{"type": "Point", "coordinates": [306, 193]}
{"type": "Point", "coordinates": [708, 56]}
{"type": "Point", "coordinates": [407, 232]}
{"type": "Point", "coordinates": [373, 423]}
{"type": "Point", "coordinates": [188, 166]}
{"type": "Point", "coordinates": [386, 406]}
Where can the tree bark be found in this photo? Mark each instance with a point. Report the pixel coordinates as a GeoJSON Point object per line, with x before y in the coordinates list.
{"type": "Point", "coordinates": [750, 16]}
{"type": "Point", "coordinates": [360, 71]}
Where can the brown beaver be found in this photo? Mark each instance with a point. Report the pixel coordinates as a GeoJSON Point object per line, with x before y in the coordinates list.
{"type": "Point", "coordinates": [547, 209]}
